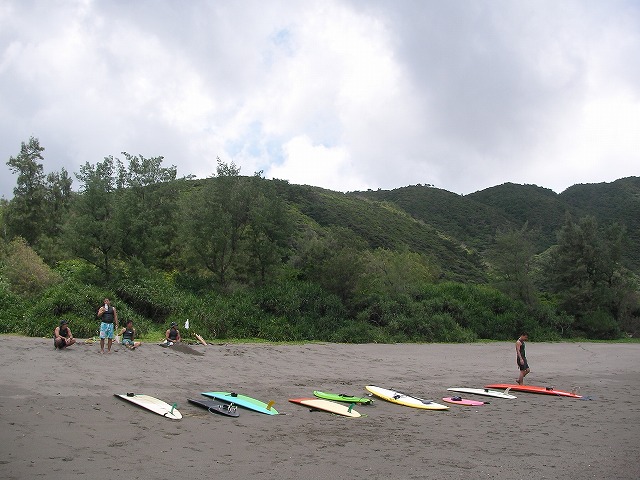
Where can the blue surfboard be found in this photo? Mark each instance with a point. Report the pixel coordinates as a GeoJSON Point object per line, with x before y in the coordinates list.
{"type": "Point", "coordinates": [243, 401]}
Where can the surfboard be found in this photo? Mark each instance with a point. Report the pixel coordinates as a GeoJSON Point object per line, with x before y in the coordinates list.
{"type": "Point", "coordinates": [327, 406]}
{"type": "Point", "coordinates": [152, 404]}
{"type": "Point", "coordinates": [463, 401]}
{"type": "Point", "coordinates": [342, 397]}
{"type": "Point", "coordinates": [483, 391]}
{"type": "Point", "coordinates": [405, 399]}
{"type": "Point", "coordinates": [214, 406]}
{"type": "Point", "coordinates": [243, 401]}
{"type": "Point", "coordinates": [534, 389]}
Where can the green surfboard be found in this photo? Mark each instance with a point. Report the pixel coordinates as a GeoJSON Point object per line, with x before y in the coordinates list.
{"type": "Point", "coordinates": [342, 397]}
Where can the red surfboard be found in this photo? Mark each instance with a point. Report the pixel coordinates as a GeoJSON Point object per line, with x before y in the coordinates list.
{"type": "Point", "coordinates": [533, 389]}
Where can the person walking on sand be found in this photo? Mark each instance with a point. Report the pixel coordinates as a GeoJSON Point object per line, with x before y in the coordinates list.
{"type": "Point", "coordinates": [62, 336]}
{"type": "Point", "coordinates": [109, 318]}
{"type": "Point", "coordinates": [173, 334]}
{"type": "Point", "coordinates": [128, 335]}
{"type": "Point", "coordinates": [521, 358]}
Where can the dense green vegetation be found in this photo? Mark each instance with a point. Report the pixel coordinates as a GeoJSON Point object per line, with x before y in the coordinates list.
{"type": "Point", "coordinates": [245, 257]}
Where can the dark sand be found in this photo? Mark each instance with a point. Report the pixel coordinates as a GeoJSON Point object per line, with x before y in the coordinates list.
{"type": "Point", "coordinates": [59, 417]}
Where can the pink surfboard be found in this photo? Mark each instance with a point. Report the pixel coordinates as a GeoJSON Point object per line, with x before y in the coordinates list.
{"type": "Point", "coordinates": [463, 401]}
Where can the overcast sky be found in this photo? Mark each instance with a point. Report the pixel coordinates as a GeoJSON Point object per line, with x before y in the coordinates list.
{"type": "Point", "coordinates": [345, 94]}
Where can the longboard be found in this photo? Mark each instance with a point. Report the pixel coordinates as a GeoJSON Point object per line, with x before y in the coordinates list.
{"type": "Point", "coordinates": [152, 404]}
{"type": "Point", "coordinates": [243, 401]}
{"type": "Point", "coordinates": [463, 401]}
{"type": "Point", "coordinates": [342, 397]}
{"type": "Point", "coordinates": [214, 406]}
{"type": "Point", "coordinates": [327, 406]}
{"type": "Point", "coordinates": [404, 399]}
{"type": "Point", "coordinates": [483, 391]}
{"type": "Point", "coordinates": [534, 389]}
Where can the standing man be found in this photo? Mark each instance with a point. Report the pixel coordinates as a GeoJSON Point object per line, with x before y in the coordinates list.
{"type": "Point", "coordinates": [109, 317]}
{"type": "Point", "coordinates": [521, 358]}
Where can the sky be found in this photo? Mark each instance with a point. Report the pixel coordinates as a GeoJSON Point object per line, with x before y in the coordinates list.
{"type": "Point", "coordinates": [342, 94]}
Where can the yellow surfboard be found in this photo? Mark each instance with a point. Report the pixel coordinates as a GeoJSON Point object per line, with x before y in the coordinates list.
{"type": "Point", "coordinates": [327, 406]}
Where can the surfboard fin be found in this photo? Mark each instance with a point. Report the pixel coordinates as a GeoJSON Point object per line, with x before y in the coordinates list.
{"type": "Point", "coordinates": [173, 407]}
{"type": "Point", "coordinates": [350, 407]}
{"type": "Point", "coordinates": [270, 404]}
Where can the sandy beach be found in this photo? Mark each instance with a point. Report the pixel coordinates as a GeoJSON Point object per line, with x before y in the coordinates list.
{"type": "Point", "coordinates": [60, 419]}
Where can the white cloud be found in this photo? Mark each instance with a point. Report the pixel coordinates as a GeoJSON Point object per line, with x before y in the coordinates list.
{"type": "Point", "coordinates": [342, 94]}
{"type": "Point", "coordinates": [309, 164]}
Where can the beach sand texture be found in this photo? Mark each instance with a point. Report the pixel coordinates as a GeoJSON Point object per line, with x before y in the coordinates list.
{"type": "Point", "coordinates": [60, 419]}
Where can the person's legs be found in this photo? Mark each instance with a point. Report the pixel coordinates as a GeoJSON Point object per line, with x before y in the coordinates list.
{"type": "Point", "coordinates": [523, 373]}
{"type": "Point", "coordinates": [103, 335]}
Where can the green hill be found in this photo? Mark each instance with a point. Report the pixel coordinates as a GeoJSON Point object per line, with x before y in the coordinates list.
{"type": "Point", "coordinates": [474, 219]}
{"type": "Point", "coordinates": [617, 201]}
{"type": "Point", "coordinates": [386, 225]}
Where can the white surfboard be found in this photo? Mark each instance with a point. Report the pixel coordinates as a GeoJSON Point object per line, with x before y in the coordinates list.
{"type": "Point", "coordinates": [152, 404]}
{"type": "Point", "coordinates": [484, 391]}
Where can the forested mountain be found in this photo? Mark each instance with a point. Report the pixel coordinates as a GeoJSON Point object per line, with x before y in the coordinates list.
{"type": "Point", "coordinates": [385, 225]}
{"type": "Point", "coordinates": [243, 256]}
{"type": "Point", "coordinates": [474, 219]}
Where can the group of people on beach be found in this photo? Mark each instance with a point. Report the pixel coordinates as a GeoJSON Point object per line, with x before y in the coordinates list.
{"type": "Point", "coordinates": [109, 322]}
{"type": "Point", "coordinates": [108, 315]}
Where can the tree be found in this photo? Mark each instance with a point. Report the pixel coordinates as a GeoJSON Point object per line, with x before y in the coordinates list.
{"type": "Point", "coordinates": [268, 232]}
{"type": "Point", "coordinates": [511, 259]}
{"type": "Point", "coordinates": [331, 258]}
{"type": "Point", "coordinates": [92, 233]}
{"type": "Point", "coordinates": [214, 216]}
{"type": "Point", "coordinates": [26, 213]}
{"type": "Point", "coordinates": [40, 203]}
{"type": "Point", "coordinates": [392, 274]}
{"type": "Point", "coordinates": [585, 271]}
{"type": "Point", "coordinates": [145, 209]}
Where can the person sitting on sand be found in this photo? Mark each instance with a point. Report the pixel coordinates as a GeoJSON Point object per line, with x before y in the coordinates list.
{"type": "Point", "coordinates": [62, 336]}
{"type": "Point", "coordinates": [173, 334]}
{"type": "Point", "coordinates": [128, 334]}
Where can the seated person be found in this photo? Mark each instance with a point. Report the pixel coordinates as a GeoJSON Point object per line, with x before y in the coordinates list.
{"type": "Point", "coordinates": [173, 334]}
{"type": "Point", "coordinates": [62, 336]}
{"type": "Point", "coordinates": [128, 334]}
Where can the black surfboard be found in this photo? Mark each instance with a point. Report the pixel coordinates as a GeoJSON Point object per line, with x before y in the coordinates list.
{"type": "Point", "coordinates": [214, 406]}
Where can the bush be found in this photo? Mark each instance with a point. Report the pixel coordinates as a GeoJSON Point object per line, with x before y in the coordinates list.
{"type": "Point", "coordinates": [11, 309]}
{"type": "Point", "coordinates": [25, 272]}
{"type": "Point", "coordinates": [77, 303]}
{"type": "Point", "coordinates": [599, 324]}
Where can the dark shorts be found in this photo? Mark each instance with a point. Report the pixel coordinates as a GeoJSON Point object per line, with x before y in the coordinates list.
{"type": "Point", "coordinates": [523, 366]}
{"type": "Point", "coordinates": [59, 343]}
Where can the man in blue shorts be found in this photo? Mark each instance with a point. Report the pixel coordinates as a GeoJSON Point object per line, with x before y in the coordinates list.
{"type": "Point", "coordinates": [109, 318]}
